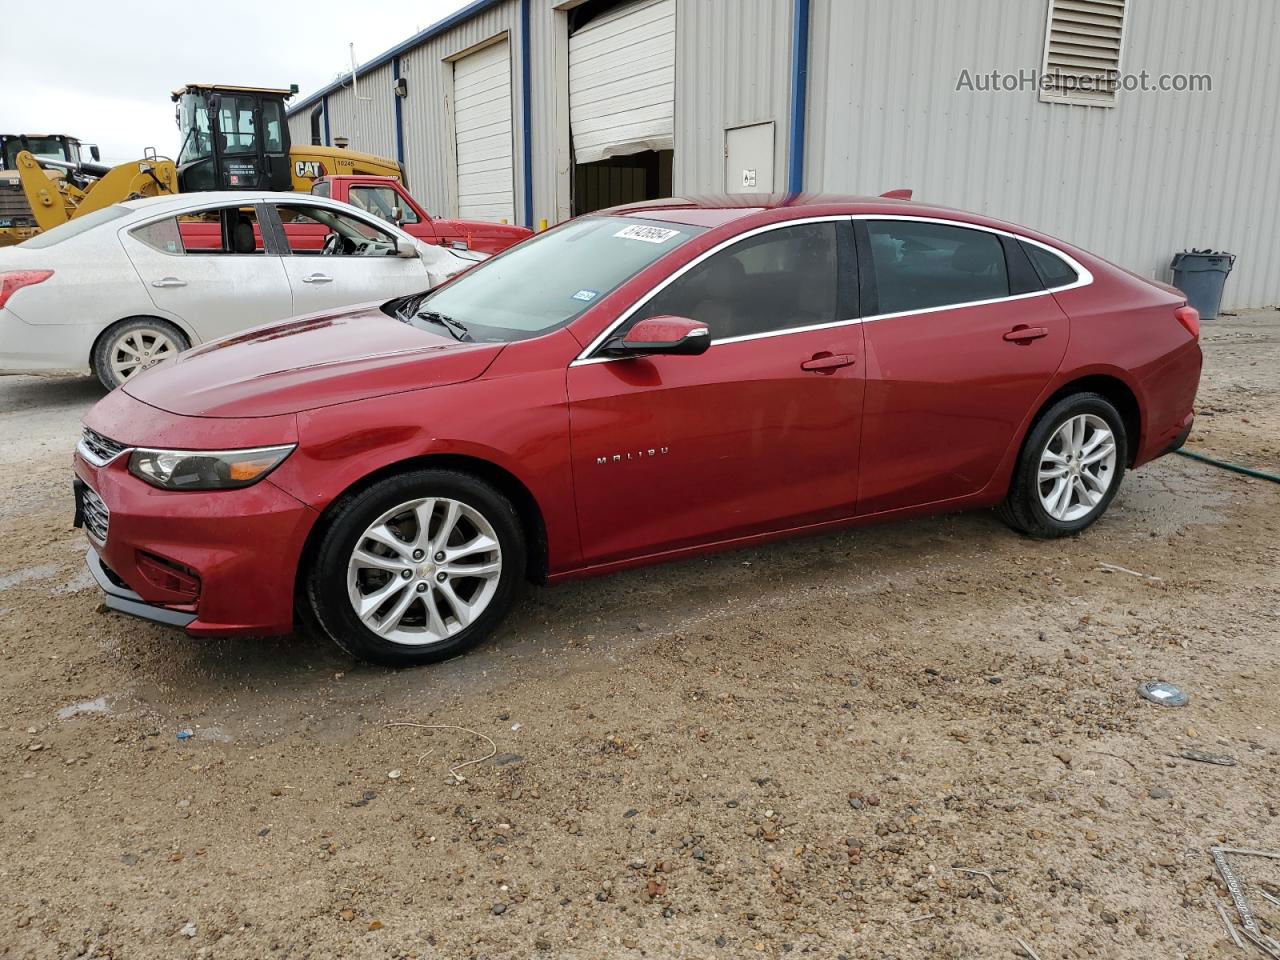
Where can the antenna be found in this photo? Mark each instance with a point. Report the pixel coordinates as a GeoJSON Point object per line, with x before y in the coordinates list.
{"type": "Point", "coordinates": [355, 87]}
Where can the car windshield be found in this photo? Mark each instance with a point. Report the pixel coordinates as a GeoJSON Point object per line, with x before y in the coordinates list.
{"type": "Point", "coordinates": [73, 228]}
{"type": "Point", "coordinates": [547, 280]}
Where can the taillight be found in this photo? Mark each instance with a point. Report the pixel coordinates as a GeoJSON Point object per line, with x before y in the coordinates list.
{"type": "Point", "coordinates": [17, 279]}
{"type": "Point", "coordinates": [1189, 317]}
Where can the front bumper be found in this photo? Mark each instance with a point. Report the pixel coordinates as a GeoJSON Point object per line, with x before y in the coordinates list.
{"type": "Point", "coordinates": [120, 597]}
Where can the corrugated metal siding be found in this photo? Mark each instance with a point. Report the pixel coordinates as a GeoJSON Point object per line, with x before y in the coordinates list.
{"type": "Point", "coordinates": [1136, 182]}
{"type": "Point", "coordinates": [429, 148]}
{"type": "Point", "coordinates": [300, 128]}
{"type": "Point", "coordinates": [733, 68]}
{"type": "Point", "coordinates": [549, 99]}
{"type": "Point", "coordinates": [368, 123]}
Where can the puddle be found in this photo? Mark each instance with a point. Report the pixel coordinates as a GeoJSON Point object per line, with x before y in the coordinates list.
{"type": "Point", "coordinates": [97, 705]}
{"type": "Point", "coordinates": [39, 572]}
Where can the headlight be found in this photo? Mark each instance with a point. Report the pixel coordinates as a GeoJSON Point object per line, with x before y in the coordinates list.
{"type": "Point", "coordinates": [206, 469]}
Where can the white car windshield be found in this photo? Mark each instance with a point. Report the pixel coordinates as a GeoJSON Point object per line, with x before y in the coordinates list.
{"type": "Point", "coordinates": [547, 280]}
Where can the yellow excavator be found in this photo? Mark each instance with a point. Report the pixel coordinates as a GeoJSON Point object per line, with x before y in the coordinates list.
{"type": "Point", "coordinates": [232, 138]}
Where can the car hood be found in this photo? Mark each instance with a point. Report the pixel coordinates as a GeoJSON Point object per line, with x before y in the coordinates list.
{"type": "Point", "coordinates": [312, 361]}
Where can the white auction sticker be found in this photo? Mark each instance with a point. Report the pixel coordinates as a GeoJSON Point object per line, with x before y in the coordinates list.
{"type": "Point", "coordinates": [647, 234]}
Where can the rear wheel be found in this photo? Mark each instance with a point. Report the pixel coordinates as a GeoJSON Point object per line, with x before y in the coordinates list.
{"type": "Point", "coordinates": [131, 346]}
{"type": "Point", "coordinates": [1069, 469]}
{"type": "Point", "coordinates": [417, 568]}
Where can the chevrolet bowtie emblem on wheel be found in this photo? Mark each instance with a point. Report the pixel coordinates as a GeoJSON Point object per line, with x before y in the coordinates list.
{"type": "Point", "coordinates": [634, 455]}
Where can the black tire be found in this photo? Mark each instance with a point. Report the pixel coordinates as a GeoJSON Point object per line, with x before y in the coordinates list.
{"type": "Point", "coordinates": [143, 327]}
{"type": "Point", "coordinates": [1022, 508]}
{"type": "Point", "coordinates": [326, 590]}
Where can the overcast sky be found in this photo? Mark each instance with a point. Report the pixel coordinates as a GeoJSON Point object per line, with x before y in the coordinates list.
{"type": "Point", "coordinates": [105, 72]}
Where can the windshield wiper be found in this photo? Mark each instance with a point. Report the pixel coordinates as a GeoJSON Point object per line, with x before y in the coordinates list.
{"type": "Point", "coordinates": [457, 329]}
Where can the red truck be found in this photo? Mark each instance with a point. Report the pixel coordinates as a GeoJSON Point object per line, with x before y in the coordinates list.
{"type": "Point", "coordinates": [387, 199]}
{"type": "Point", "coordinates": [381, 197]}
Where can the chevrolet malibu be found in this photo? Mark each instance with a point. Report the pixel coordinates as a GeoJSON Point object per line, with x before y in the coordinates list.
{"type": "Point", "coordinates": [651, 382]}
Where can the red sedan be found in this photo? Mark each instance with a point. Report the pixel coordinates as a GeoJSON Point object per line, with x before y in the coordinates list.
{"type": "Point", "coordinates": [642, 384]}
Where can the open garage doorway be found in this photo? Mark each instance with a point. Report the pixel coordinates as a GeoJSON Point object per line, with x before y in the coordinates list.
{"type": "Point", "coordinates": [621, 101]}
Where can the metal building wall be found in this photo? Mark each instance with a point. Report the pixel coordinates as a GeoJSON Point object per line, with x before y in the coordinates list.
{"type": "Point", "coordinates": [733, 68]}
{"type": "Point", "coordinates": [1157, 173]}
{"type": "Point", "coordinates": [429, 146]}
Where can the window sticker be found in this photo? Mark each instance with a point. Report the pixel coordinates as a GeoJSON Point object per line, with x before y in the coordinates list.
{"type": "Point", "coordinates": [647, 234]}
{"type": "Point", "coordinates": [586, 295]}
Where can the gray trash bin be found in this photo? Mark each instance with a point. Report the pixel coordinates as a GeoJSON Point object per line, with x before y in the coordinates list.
{"type": "Point", "coordinates": [1201, 275]}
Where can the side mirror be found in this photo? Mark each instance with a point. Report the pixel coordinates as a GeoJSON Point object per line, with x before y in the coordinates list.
{"type": "Point", "coordinates": [408, 251]}
{"type": "Point", "coordinates": [675, 336]}
{"type": "Point", "coordinates": [94, 152]}
{"type": "Point", "coordinates": [397, 215]}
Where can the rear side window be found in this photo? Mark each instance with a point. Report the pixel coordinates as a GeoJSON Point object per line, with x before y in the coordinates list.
{"type": "Point", "coordinates": [163, 235]}
{"type": "Point", "coordinates": [1053, 270]}
{"type": "Point", "coordinates": [222, 230]}
{"type": "Point", "coordinates": [921, 265]}
{"type": "Point", "coordinates": [777, 280]}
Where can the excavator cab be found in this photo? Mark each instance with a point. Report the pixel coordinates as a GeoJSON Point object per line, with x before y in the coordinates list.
{"type": "Point", "coordinates": [233, 138]}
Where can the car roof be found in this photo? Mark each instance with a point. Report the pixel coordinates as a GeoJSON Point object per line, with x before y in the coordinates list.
{"type": "Point", "coordinates": [220, 198]}
{"type": "Point", "coordinates": [748, 210]}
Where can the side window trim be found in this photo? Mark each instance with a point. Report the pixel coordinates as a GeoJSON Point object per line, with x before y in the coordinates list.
{"type": "Point", "coordinates": [868, 300]}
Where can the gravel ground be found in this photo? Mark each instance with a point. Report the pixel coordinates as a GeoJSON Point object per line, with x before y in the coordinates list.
{"type": "Point", "coordinates": [919, 739]}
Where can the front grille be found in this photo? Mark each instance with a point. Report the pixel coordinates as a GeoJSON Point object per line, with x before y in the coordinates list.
{"type": "Point", "coordinates": [99, 450]}
{"type": "Point", "coordinates": [97, 518]}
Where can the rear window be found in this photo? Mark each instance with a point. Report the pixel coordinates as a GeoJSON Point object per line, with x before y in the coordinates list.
{"type": "Point", "coordinates": [1053, 270]}
{"type": "Point", "coordinates": [73, 228]}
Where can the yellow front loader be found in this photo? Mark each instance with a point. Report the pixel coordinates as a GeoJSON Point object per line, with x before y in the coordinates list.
{"type": "Point", "coordinates": [83, 188]}
{"type": "Point", "coordinates": [233, 138]}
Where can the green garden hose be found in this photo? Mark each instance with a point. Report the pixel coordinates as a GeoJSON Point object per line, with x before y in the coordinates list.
{"type": "Point", "coordinates": [1234, 467]}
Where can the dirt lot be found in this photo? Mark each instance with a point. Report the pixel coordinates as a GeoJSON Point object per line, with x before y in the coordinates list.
{"type": "Point", "coordinates": [784, 751]}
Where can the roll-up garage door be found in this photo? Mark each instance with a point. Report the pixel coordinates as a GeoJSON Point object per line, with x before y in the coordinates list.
{"type": "Point", "coordinates": [482, 124]}
{"type": "Point", "coordinates": [622, 72]}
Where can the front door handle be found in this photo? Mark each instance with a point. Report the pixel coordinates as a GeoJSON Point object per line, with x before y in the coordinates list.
{"type": "Point", "coordinates": [168, 282]}
{"type": "Point", "coordinates": [1025, 334]}
{"type": "Point", "coordinates": [317, 278]}
{"type": "Point", "coordinates": [827, 362]}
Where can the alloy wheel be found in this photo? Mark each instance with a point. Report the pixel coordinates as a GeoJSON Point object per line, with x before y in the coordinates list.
{"type": "Point", "coordinates": [139, 349]}
{"type": "Point", "coordinates": [424, 571]}
{"type": "Point", "coordinates": [1077, 467]}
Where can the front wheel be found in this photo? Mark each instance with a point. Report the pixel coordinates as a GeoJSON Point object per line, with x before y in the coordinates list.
{"type": "Point", "coordinates": [417, 568]}
{"type": "Point", "coordinates": [1069, 469]}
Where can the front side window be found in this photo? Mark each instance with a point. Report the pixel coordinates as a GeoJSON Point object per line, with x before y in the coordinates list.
{"type": "Point", "coordinates": [313, 229]}
{"type": "Point", "coordinates": [777, 280]}
{"type": "Point", "coordinates": [272, 125]}
{"type": "Point", "coordinates": [920, 265]}
{"type": "Point", "coordinates": [550, 279]}
{"type": "Point", "coordinates": [381, 202]}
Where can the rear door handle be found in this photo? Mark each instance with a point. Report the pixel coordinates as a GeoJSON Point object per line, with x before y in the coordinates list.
{"type": "Point", "coordinates": [168, 282]}
{"type": "Point", "coordinates": [1024, 334]}
{"type": "Point", "coordinates": [317, 278]}
{"type": "Point", "coordinates": [826, 363]}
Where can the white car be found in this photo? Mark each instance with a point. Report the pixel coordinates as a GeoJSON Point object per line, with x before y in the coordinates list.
{"type": "Point", "coordinates": [126, 287]}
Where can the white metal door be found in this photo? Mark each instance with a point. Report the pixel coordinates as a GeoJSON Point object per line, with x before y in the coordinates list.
{"type": "Point", "coordinates": [215, 293]}
{"type": "Point", "coordinates": [748, 159]}
{"type": "Point", "coordinates": [482, 125]}
{"type": "Point", "coordinates": [622, 73]}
